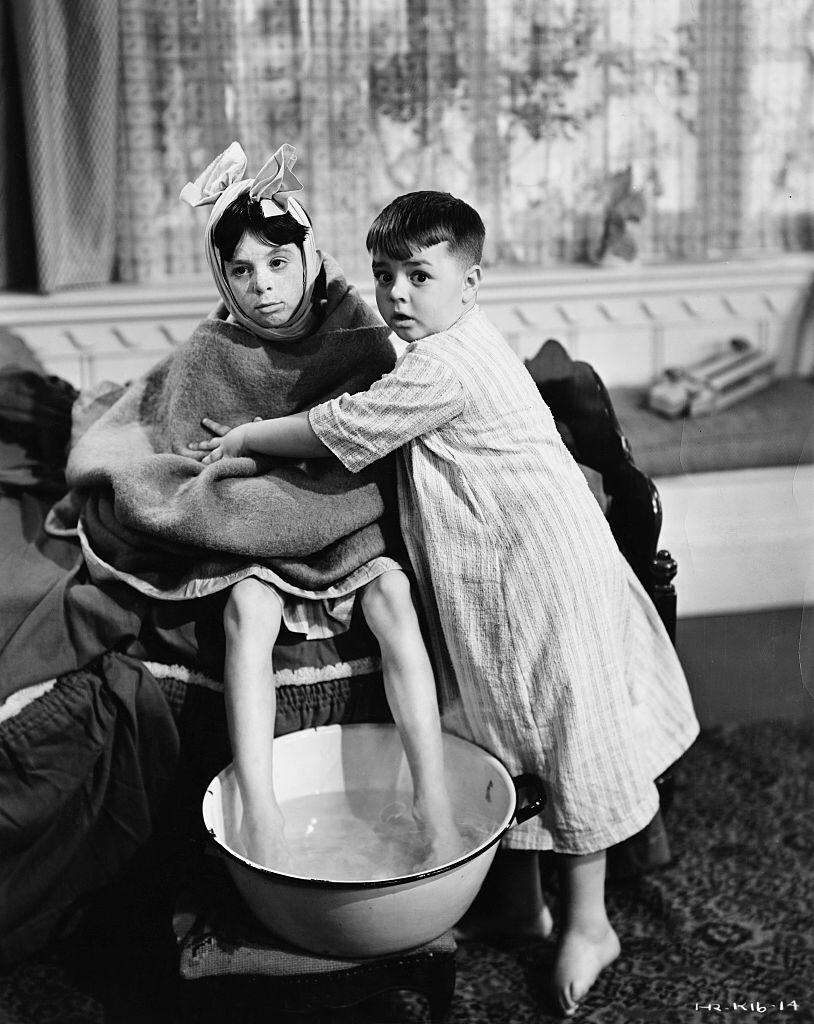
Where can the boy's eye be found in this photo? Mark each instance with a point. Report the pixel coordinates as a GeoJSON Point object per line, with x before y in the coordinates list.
{"type": "Point", "coordinates": [382, 277]}
{"type": "Point", "coordinates": [237, 271]}
{"type": "Point", "coordinates": [420, 277]}
{"type": "Point", "coordinates": [277, 262]}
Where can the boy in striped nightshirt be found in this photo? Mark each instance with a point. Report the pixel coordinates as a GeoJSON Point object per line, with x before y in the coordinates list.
{"type": "Point", "coordinates": [548, 653]}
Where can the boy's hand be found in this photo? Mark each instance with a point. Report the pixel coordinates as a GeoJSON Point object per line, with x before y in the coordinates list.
{"type": "Point", "coordinates": [229, 442]}
{"type": "Point", "coordinates": [231, 446]}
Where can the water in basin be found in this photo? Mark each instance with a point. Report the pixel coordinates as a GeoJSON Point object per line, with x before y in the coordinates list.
{"type": "Point", "coordinates": [362, 835]}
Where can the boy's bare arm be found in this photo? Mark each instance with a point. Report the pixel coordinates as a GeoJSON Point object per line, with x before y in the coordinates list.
{"type": "Point", "coordinates": [288, 436]}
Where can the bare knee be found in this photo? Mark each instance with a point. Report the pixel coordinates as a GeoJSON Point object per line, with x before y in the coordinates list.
{"type": "Point", "coordinates": [387, 602]}
{"type": "Point", "coordinates": [252, 609]}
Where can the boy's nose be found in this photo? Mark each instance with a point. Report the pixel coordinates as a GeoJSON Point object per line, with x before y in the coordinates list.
{"type": "Point", "coordinates": [398, 289]}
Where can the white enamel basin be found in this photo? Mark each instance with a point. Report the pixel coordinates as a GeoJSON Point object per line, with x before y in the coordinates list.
{"type": "Point", "coordinates": [367, 918]}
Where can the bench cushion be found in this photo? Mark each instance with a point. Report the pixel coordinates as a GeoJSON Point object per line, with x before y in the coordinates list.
{"type": "Point", "coordinates": [774, 427]}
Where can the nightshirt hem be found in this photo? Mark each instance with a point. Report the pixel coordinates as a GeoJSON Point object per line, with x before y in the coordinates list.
{"type": "Point", "coordinates": [533, 835]}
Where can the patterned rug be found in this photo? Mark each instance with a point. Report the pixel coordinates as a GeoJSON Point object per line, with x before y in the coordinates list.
{"type": "Point", "coordinates": [725, 933]}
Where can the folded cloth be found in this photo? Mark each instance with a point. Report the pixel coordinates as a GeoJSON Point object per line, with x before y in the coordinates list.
{"type": "Point", "coordinates": [173, 527]}
{"type": "Point", "coordinates": [34, 423]}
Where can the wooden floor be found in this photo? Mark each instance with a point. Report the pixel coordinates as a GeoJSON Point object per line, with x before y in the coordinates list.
{"type": "Point", "coordinates": [751, 666]}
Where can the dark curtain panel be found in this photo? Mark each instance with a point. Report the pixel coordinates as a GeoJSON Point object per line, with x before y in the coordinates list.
{"type": "Point", "coordinates": [59, 69]}
{"type": "Point", "coordinates": [17, 262]}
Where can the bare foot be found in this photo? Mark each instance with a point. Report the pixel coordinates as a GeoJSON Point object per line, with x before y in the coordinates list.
{"type": "Point", "coordinates": [584, 951]}
{"type": "Point", "coordinates": [479, 924]}
{"type": "Point", "coordinates": [446, 845]}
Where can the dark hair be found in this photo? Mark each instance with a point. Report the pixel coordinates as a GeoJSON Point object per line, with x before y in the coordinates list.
{"type": "Point", "coordinates": [418, 220]}
{"type": "Point", "coordinates": [245, 215]}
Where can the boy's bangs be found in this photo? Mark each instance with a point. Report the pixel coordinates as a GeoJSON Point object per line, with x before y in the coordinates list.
{"type": "Point", "coordinates": [402, 244]}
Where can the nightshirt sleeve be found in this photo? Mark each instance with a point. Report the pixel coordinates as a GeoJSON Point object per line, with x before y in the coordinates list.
{"type": "Point", "coordinates": [420, 394]}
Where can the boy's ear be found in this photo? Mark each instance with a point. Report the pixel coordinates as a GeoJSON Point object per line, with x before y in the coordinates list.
{"type": "Point", "coordinates": [471, 282]}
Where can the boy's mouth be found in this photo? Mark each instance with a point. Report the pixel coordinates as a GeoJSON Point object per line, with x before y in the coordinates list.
{"type": "Point", "coordinates": [402, 318]}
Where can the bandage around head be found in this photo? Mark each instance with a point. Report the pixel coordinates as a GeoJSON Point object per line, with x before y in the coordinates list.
{"type": "Point", "coordinates": [220, 184]}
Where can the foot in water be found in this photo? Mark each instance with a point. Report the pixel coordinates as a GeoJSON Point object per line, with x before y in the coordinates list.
{"type": "Point", "coordinates": [444, 840]}
{"type": "Point", "coordinates": [263, 840]}
{"type": "Point", "coordinates": [583, 953]}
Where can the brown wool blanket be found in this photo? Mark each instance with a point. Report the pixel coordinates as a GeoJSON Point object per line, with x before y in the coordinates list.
{"type": "Point", "coordinates": [151, 513]}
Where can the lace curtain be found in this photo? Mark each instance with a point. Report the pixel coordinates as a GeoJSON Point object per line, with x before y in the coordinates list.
{"type": "Point", "coordinates": [583, 130]}
{"type": "Point", "coordinates": [536, 112]}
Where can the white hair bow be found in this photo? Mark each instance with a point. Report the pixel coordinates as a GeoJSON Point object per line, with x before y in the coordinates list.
{"type": "Point", "coordinates": [273, 185]}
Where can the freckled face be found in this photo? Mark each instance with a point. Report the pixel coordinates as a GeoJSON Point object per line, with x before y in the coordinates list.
{"type": "Point", "coordinates": [266, 280]}
{"type": "Point", "coordinates": [424, 294]}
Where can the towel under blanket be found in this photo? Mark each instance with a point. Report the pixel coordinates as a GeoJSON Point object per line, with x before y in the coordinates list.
{"type": "Point", "coordinates": [176, 528]}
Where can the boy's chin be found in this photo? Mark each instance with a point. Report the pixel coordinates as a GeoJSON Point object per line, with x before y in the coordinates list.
{"type": "Point", "coordinates": [407, 332]}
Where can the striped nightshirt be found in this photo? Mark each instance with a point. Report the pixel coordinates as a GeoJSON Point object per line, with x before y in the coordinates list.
{"type": "Point", "coordinates": [547, 650]}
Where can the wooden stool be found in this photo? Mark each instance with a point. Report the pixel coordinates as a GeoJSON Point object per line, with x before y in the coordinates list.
{"type": "Point", "coordinates": [233, 969]}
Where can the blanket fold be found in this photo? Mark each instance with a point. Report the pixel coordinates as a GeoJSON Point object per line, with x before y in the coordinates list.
{"type": "Point", "coordinates": [164, 522]}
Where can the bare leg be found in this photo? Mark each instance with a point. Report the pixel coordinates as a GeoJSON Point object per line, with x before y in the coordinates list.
{"type": "Point", "coordinates": [510, 903]}
{"type": "Point", "coordinates": [588, 942]}
{"type": "Point", "coordinates": [251, 621]}
{"type": "Point", "coordinates": [410, 688]}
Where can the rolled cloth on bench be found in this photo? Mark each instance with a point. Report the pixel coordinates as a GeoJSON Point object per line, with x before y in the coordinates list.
{"type": "Point", "coordinates": [168, 524]}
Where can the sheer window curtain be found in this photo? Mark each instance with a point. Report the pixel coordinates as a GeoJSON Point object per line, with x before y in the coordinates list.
{"type": "Point", "coordinates": [179, 76]}
{"type": "Point", "coordinates": [533, 111]}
